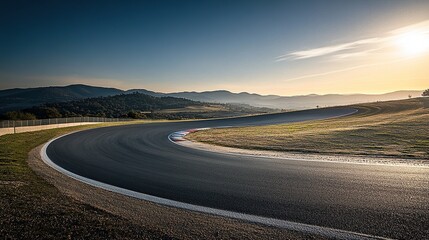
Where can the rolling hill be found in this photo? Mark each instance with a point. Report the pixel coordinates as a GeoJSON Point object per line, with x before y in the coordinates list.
{"type": "Point", "coordinates": [15, 99]}
{"type": "Point", "coordinates": [20, 98]}
{"type": "Point", "coordinates": [285, 102]}
{"type": "Point", "coordinates": [134, 105]}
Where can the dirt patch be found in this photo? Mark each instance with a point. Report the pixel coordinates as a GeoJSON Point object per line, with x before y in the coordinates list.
{"type": "Point", "coordinates": [175, 223]}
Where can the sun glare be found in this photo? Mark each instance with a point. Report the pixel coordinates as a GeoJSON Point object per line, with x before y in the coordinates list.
{"type": "Point", "coordinates": [413, 43]}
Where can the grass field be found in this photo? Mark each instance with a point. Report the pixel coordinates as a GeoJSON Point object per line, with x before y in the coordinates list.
{"type": "Point", "coordinates": [197, 109]}
{"type": "Point", "coordinates": [211, 111]}
{"type": "Point", "coordinates": [388, 129]}
{"type": "Point", "coordinates": [31, 208]}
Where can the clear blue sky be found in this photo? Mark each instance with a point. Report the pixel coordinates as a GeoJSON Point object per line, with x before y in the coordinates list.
{"type": "Point", "coordinates": [192, 45]}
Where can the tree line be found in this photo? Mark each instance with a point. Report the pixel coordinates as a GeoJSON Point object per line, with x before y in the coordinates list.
{"type": "Point", "coordinates": [135, 105]}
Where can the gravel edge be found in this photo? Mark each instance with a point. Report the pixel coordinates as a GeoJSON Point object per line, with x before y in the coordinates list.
{"type": "Point", "coordinates": [176, 223]}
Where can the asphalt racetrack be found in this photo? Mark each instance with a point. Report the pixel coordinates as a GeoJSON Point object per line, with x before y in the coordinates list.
{"type": "Point", "coordinates": [381, 200]}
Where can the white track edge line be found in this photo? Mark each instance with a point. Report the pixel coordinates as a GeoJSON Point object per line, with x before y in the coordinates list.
{"type": "Point", "coordinates": [289, 158]}
{"type": "Point", "coordinates": [289, 225]}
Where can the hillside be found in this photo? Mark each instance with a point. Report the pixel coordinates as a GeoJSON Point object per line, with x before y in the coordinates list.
{"type": "Point", "coordinates": [123, 105]}
{"type": "Point", "coordinates": [292, 102]}
{"type": "Point", "coordinates": [135, 105]}
{"type": "Point", "coordinates": [20, 98]}
{"type": "Point", "coordinates": [284, 102]}
{"type": "Point", "coordinates": [15, 99]}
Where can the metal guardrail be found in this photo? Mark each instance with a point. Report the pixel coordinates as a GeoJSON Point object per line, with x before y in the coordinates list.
{"type": "Point", "coordinates": [51, 121]}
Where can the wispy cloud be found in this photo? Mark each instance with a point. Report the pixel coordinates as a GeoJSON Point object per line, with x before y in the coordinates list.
{"type": "Point", "coordinates": [356, 54]}
{"type": "Point", "coordinates": [354, 48]}
{"type": "Point", "coordinates": [343, 70]}
{"type": "Point", "coordinates": [317, 52]}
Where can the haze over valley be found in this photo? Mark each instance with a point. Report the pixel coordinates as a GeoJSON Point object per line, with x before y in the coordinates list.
{"type": "Point", "coordinates": [17, 99]}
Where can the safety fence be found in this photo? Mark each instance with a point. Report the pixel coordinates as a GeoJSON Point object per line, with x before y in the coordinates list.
{"type": "Point", "coordinates": [39, 122]}
{"type": "Point", "coordinates": [57, 121]}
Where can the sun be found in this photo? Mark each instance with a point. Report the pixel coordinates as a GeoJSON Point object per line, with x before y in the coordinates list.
{"type": "Point", "coordinates": [413, 43]}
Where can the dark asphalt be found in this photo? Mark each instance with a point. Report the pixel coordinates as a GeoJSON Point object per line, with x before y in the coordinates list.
{"type": "Point", "coordinates": [389, 201]}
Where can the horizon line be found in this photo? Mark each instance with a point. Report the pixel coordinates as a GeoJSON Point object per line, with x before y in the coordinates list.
{"type": "Point", "coordinates": [218, 90]}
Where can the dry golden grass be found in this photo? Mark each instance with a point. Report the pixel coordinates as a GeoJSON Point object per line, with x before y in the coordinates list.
{"type": "Point", "coordinates": [31, 208]}
{"type": "Point", "coordinates": [389, 129]}
{"type": "Point", "coordinates": [196, 109]}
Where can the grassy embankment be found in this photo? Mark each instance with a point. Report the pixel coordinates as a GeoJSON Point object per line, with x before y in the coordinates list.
{"type": "Point", "coordinates": [389, 129]}
{"type": "Point", "coordinates": [31, 208]}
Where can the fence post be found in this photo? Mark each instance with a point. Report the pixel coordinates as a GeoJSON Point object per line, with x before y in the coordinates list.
{"type": "Point", "coordinates": [14, 127]}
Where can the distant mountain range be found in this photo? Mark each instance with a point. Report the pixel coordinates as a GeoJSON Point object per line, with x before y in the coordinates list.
{"type": "Point", "coordinates": [288, 103]}
{"type": "Point", "coordinates": [284, 102]}
{"type": "Point", "coordinates": [18, 98]}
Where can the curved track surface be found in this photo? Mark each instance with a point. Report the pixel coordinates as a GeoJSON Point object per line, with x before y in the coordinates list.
{"type": "Point", "coordinates": [382, 200]}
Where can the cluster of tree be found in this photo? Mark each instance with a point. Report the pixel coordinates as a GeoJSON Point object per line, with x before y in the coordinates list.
{"type": "Point", "coordinates": [134, 105]}
{"type": "Point", "coordinates": [19, 115]}
{"type": "Point", "coordinates": [426, 93]}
